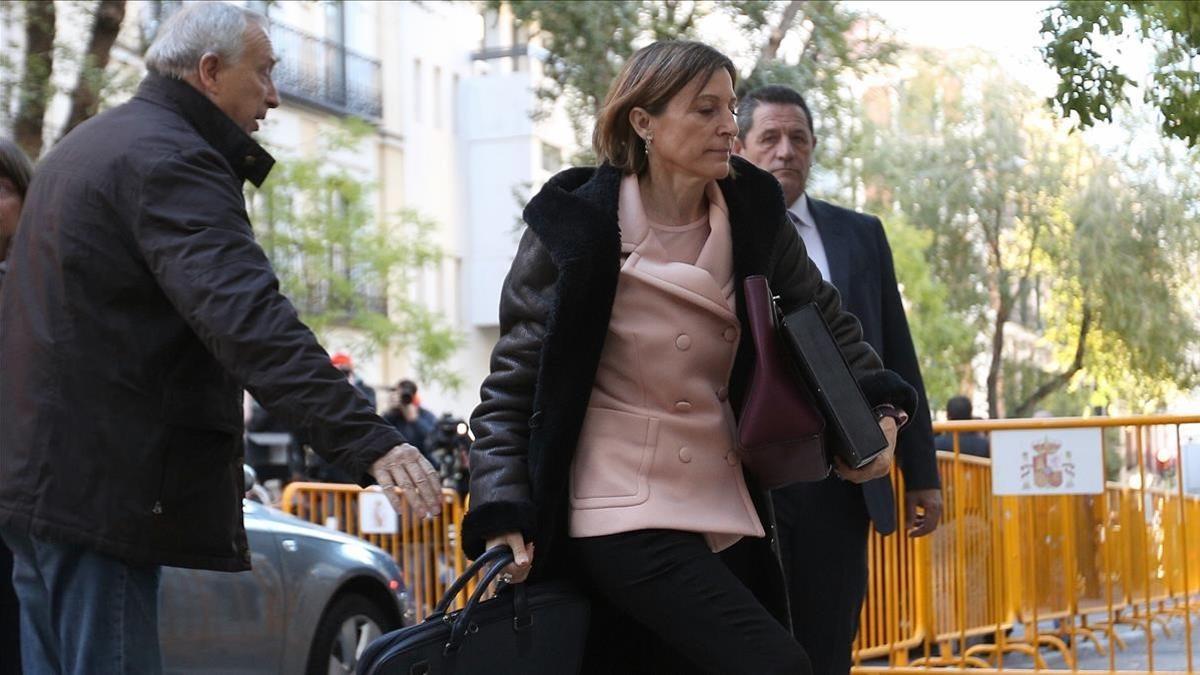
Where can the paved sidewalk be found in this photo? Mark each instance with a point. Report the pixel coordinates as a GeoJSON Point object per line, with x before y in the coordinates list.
{"type": "Point", "coordinates": [1169, 653]}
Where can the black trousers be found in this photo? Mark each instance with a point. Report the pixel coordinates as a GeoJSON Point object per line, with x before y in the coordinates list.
{"type": "Point", "coordinates": [823, 537]}
{"type": "Point", "coordinates": [665, 603]}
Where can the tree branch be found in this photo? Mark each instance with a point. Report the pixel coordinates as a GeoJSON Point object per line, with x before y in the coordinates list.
{"type": "Point", "coordinates": [35, 82]}
{"type": "Point", "coordinates": [995, 384]}
{"type": "Point", "coordinates": [1003, 303]}
{"type": "Point", "coordinates": [85, 98]}
{"type": "Point", "coordinates": [1062, 379]}
{"type": "Point", "coordinates": [687, 22]}
{"type": "Point", "coordinates": [778, 32]}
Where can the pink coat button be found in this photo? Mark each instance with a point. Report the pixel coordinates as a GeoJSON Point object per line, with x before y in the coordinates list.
{"type": "Point", "coordinates": [731, 458]}
{"type": "Point", "coordinates": [730, 334]}
{"type": "Point", "coordinates": [683, 342]}
{"type": "Point", "coordinates": [723, 394]}
{"type": "Point", "coordinates": [683, 406]}
{"type": "Point", "coordinates": [685, 455]}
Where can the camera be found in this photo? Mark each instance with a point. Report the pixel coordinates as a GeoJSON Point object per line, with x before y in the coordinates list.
{"type": "Point", "coordinates": [450, 445]}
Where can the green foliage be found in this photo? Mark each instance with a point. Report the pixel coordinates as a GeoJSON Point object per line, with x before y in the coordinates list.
{"type": "Point", "coordinates": [578, 67]}
{"type": "Point", "coordinates": [826, 45]}
{"type": "Point", "coordinates": [1035, 234]}
{"type": "Point", "coordinates": [1114, 454]}
{"type": "Point", "coordinates": [1136, 245]}
{"type": "Point", "coordinates": [1091, 86]}
{"type": "Point", "coordinates": [823, 47]}
{"type": "Point", "coordinates": [944, 337]}
{"type": "Point", "coordinates": [342, 269]}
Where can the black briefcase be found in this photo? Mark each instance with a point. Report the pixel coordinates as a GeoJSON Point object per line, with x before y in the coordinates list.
{"type": "Point", "coordinates": [851, 430]}
{"type": "Point", "coordinates": [526, 629]}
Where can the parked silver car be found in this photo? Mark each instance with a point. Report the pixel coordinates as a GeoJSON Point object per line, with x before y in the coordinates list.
{"type": "Point", "coordinates": [313, 601]}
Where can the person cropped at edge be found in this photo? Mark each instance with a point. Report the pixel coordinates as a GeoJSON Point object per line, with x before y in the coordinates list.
{"type": "Point", "coordinates": [345, 363]}
{"type": "Point", "coordinates": [136, 308]}
{"type": "Point", "coordinates": [410, 418]}
{"type": "Point", "coordinates": [15, 173]}
{"type": "Point", "coordinates": [969, 442]}
{"type": "Point", "coordinates": [605, 437]}
{"type": "Point", "coordinates": [823, 526]}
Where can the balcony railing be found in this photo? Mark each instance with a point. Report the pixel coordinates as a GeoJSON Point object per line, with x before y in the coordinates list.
{"type": "Point", "coordinates": [324, 73]}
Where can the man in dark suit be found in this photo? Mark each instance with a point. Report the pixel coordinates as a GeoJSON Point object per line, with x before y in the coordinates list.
{"type": "Point", "coordinates": [823, 526]}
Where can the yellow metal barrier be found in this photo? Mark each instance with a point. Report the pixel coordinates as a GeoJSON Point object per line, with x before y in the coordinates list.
{"type": "Point", "coordinates": [890, 615]}
{"type": "Point", "coordinates": [1089, 563]}
{"type": "Point", "coordinates": [426, 550]}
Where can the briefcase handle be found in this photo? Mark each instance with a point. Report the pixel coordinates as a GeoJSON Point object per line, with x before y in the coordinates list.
{"type": "Point", "coordinates": [522, 617]}
{"type": "Point", "coordinates": [501, 552]}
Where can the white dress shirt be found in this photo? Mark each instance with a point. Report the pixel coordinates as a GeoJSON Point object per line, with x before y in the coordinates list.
{"type": "Point", "coordinates": [802, 218]}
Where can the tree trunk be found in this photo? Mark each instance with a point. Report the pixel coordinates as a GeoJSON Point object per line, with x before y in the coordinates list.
{"type": "Point", "coordinates": [1063, 378]}
{"type": "Point", "coordinates": [35, 82]}
{"type": "Point", "coordinates": [85, 99]}
{"type": "Point", "coordinates": [995, 378]}
{"type": "Point", "coordinates": [778, 33]}
{"type": "Point", "coordinates": [998, 284]}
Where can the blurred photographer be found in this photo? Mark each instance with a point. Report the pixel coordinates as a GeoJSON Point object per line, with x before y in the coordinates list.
{"type": "Point", "coordinates": [449, 447]}
{"type": "Point", "coordinates": [410, 419]}
{"type": "Point", "coordinates": [345, 363]}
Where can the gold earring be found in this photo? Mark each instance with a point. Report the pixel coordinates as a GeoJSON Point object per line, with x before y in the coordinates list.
{"type": "Point", "coordinates": [649, 142]}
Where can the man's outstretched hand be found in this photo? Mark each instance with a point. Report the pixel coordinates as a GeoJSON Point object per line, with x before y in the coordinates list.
{"type": "Point", "coordinates": [403, 468]}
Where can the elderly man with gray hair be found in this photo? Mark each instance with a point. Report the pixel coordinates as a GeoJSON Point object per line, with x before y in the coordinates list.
{"type": "Point", "coordinates": [134, 314]}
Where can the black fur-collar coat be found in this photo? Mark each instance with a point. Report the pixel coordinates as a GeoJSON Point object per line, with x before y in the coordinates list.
{"type": "Point", "coordinates": [554, 313]}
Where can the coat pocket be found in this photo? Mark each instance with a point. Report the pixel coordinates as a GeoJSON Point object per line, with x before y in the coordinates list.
{"type": "Point", "coordinates": [613, 459]}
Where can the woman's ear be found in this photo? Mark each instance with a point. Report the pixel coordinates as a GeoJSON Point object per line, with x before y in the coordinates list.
{"type": "Point", "coordinates": [639, 119]}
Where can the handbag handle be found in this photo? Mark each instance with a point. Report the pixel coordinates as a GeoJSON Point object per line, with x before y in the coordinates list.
{"type": "Point", "coordinates": [492, 554]}
{"type": "Point", "coordinates": [463, 622]}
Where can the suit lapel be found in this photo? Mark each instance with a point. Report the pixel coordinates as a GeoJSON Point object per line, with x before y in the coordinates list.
{"type": "Point", "coordinates": [834, 236]}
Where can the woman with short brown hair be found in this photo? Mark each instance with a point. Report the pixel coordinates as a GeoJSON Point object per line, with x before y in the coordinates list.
{"type": "Point", "coordinates": [605, 439]}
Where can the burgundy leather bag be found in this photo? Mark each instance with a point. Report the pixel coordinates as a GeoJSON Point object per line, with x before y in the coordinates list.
{"type": "Point", "coordinates": [780, 428]}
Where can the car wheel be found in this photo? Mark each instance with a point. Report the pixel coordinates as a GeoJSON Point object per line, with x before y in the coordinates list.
{"type": "Point", "coordinates": [349, 624]}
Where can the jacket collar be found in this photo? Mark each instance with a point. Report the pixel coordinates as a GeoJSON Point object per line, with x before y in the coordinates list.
{"type": "Point", "coordinates": [247, 158]}
{"type": "Point", "coordinates": [575, 214]}
{"type": "Point", "coordinates": [833, 236]}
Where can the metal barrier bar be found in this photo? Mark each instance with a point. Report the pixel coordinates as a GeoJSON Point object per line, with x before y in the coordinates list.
{"type": "Point", "coordinates": [1075, 556]}
{"type": "Point", "coordinates": [426, 550]}
{"type": "Point", "coordinates": [1182, 531]}
{"type": "Point", "coordinates": [913, 670]}
{"type": "Point", "coordinates": [1133, 562]}
{"type": "Point", "coordinates": [890, 614]}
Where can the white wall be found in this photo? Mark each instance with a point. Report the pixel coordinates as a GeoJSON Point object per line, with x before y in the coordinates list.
{"type": "Point", "coordinates": [500, 152]}
{"type": "Point", "coordinates": [498, 137]}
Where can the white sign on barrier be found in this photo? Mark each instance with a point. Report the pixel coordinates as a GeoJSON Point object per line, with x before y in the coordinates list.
{"type": "Point", "coordinates": [375, 514]}
{"type": "Point", "coordinates": [1047, 462]}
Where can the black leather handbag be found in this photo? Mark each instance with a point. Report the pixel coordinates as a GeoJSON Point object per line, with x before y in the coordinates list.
{"type": "Point", "coordinates": [525, 629]}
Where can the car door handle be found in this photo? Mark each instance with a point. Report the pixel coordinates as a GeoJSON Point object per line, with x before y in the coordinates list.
{"type": "Point", "coordinates": [289, 545]}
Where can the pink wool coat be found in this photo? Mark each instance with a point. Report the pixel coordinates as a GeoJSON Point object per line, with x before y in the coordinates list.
{"type": "Point", "coordinates": [657, 445]}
